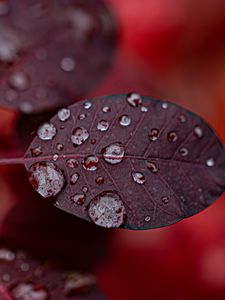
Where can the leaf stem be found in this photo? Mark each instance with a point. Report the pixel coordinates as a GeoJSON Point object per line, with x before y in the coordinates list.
{"type": "Point", "coordinates": [12, 161]}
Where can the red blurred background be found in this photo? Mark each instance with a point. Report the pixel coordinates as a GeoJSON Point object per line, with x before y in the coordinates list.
{"type": "Point", "coordinates": [175, 50]}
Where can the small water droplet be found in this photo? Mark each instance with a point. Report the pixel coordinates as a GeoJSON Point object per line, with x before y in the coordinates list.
{"type": "Point", "coordinates": [64, 114]}
{"type": "Point", "coordinates": [7, 255]}
{"type": "Point", "coordinates": [82, 116]}
{"type": "Point", "coordinates": [26, 107]}
{"type": "Point", "coordinates": [114, 153]}
{"type": "Point", "coordinates": [182, 118]}
{"type": "Point", "coordinates": [103, 125]}
{"type": "Point", "coordinates": [59, 147]}
{"type": "Point", "coordinates": [87, 105]}
{"type": "Point", "coordinates": [79, 136]}
{"type": "Point", "coordinates": [165, 105]}
{"type": "Point", "coordinates": [200, 190]}
{"type": "Point", "coordinates": [4, 8]}
{"type": "Point", "coordinates": [152, 167]}
{"type": "Point", "coordinates": [125, 120]}
{"type": "Point", "coordinates": [106, 109]}
{"type": "Point", "coordinates": [153, 135]}
{"type": "Point", "coordinates": [72, 163]}
{"type": "Point", "coordinates": [20, 81]}
{"type": "Point", "coordinates": [24, 267]}
{"type": "Point", "coordinates": [46, 178]}
{"type": "Point", "coordinates": [107, 210]}
{"type": "Point", "coordinates": [55, 157]}
{"type": "Point", "coordinates": [165, 200]}
{"type": "Point", "coordinates": [85, 189]}
{"type": "Point", "coordinates": [138, 177]}
{"type": "Point", "coordinates": [93, 141]}
{"type": "Point", "coordinates": [46, 131]}
{"type": "Point", "coordinates": [144, 109]}
{"type": "Point", "coordinates": [147, 219]}
{"type": "Point", "coordinates": [99, 180]}
{"type": "Point", "coordinates": [76, 282]}
{"type": "Point", "coordinates": [36, 151]}
{"type": "Point", "coordinates": [183, 151]}
{"type": "Point", "coordinates": [172, 136]}
{"type": "Point", "coordinates": [134, 99]}
{"type": "Point", "coordinates": [6, 277]}
{"type": "Point", "coordinates": [67, 64]}
{"type": "Point", "coordinates": [29, 291]}
{"type": "Point", "coordinates": [198, 132]}
{"type": "Point", "coordinates": [79, 199]}
{"type": "Point", "coordinates": [90, 163]}
{"type": "Point", "coordinates": [210, 162]}
{"type": "Point", "coordinates": [74, 178]}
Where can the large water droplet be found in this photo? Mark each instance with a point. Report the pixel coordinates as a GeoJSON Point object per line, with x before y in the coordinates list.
{"type": "Point", "coordinates": [76, 282]}
{"type": "Point", "coordinates": [87, 105]}
{"type": "Point", "coordinates": [64, 114]}
{"type": "Point", "coordinates": [154, 134]}
{"type": "Point", "coordinates": [90, 163]}
{"type": "Point", "coordinates": [29, 291]}
{"type": "Point", "coordinates": [74, 178]}
{"type": "Point", "coordinates": [67, 64]}
{"type": "Point", "coordinates": [138, 177]}
{"type": "Point", "coordinates": [125, 120]}
{"type": "Point", "coordinates": [183, 151]}
{"type": "Point", "coordinates": [210, 162]}
{"type": "Point", "coordinates": [47, 179]}
{"type": "Point", "coordinates": [106, 109]}
{"type": "Point", "coordinates": [79, 199]}
{"type": "Point", "coordinates": [114, 153]}
{"type": "Point", "coordinates": [99, 180]}
{"type": "Point", "coordinates": [134, 99]}
{"type": "Point", "coordinates": [198, 132]}
{"type": "Point", "coordinates": [172, 136]}
{"type": "Point", "coordinates": [46, 131]}
{"type": "Point", "coordinates": [36, 151]}
{"type": "Point", "coordinates": [107, 210]}
{"type": "Point", "coordinates": [79, 136]}
{"type": "Point", "coordinates": [152, 167]}
{"type": "Point", "coordinates": [72, 163]}
{"type": "Point", "coordinates": [103, 125]}
{"type": "Point", "coordinates": [19, 81]}
{"type": "Point", "coordinates": [7, 255]}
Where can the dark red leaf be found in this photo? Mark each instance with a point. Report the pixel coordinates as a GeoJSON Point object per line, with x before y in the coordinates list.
{"type": "Point", "coordinates": [24, 278]}
{"type": "Point", "coordinates": [127, 161]}
{"type": "Point", "coordinates": [52, 52]}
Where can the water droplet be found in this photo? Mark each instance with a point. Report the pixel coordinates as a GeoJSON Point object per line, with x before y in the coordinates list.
{"type": "Point", "coordinates": [200, 190]}
{"type": "Point", "coordinates": [72, 163]}
{"type": "Point", "coordinates": [144, 109]}
{"type": "Point", "coordinates": [82, 116]}
{"type": "Point", "coordinates": [26, 107]}
{"type": "Point", "coordinates": [76, 282]}
{"type": "Point", "coordinates": [64, 114]}
{"type": "Point", "coordinates": [87, 105]}
{"type": "Point", "coordinates": [79, 136]}
{"type": "Point", "coordinates": [106, 109]}
{"type": "Point", "coordinates": [79, 199]}
{"type": "Point", "coordinates": [183, 151]}
{"type": "Point", "coordinates": [134, 99]}
{"type": "Point", "coordinates": [4, 8]}
{"type": "Point", "coordinates": [74, 178]}
{"type": "Point", "coordinates": [114, 153]}
{"type": "Point", "coordinates": [93, 141]}
{"type": "Point", "coordinates": [182, 118]}
{"type": "Point", "coordinates": [41, 54]}
{"type": "Point", "coordinates": [36, 151]}
{"type": "Point", "coordinates": [147, 219]}
{"type": "Point", "coordinates": [55, 157]}
{"type": "Point", "coordinates": [24, 267]}
{"type": "Point", "coordinates": [210, 162]}
{"type": "Point", "coordinates": [11, 95]}
{"type": "Point", "coordinates": [19, 81]}
{"type": "Point", "coordinates": [6, 277]}
{"type": "Point", "coordinates": [153, 135]}
{"type": "Point", "coordinates": [165, 105]}
{"type": "Point", "coordinates": [46, 178]}
{"type": "Point", "coordinates": [29, 291]}
{"type": "Point", "coordinates": [67, 64]}
{"type": "Point", "coordinates": [7, 255]}
{"type": "Point", "coordinates": [172, 136]}
{"type": "Point", "coordinates": [46, 131]}
{"type": "Point", "coordinates": [138, 177]}
{"type": "Point", "coordinates": [99, 180]}
{"type": "Point", "coordinates": [103, 125]}
{"type": "Point", "coordinates": [125, 120]}
{"type": "Point", "coordinates": [90, 163]}
{"type": "Point", "coordinates": [107, 210]}
{"type": "Point", "coordinates": [59, 147]}
{"type": "Point", "coordinates": [152, 167]}
{"type": "Point", "coordinates": [198, 132]}
{"type": "Point", "coordinates": [165, 200]}
{"type": "Point", "coordinates": [85, 189]}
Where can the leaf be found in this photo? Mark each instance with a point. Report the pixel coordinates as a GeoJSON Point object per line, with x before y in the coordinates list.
{"type": "Point", "coordinates": [24, 278]}
{"type": "Point", "coordinates": [127, 161]}
{"type": "Point", "coordinates": [52, 52]}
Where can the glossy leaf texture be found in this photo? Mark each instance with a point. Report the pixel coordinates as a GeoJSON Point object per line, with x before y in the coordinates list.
{"type": "Point", "coordinates": [127, 161]}
{"type": "Point", "coordinates": [23, 277]}
{"type": "Point", "coordinates": [52, 52]}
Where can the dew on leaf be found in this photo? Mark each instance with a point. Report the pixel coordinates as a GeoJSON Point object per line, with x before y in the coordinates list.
{"type": "Point", "coordinates": [154, 134]}
{"type": "Point", "coordinates": [6, 277]}
{"type": "Point", "coordinates": [79, 136]}
{"type": "Point", "coordinates": [59, 147]}
{"type": "Point", "coordinates": [85, 189]}
{"type": "Point", "coordinates": [76, 283]}
{"type": "Point", "coordinates": [125, 120]}
{"type": "Point", "coordinates": [99, 180]}
{"type": "Point", "coordinates": [106, 109]}
{"type": "Point", "coordinates": [46, 178]}
{"type": "Point", "coordinates": [78, 198]}
{"type": "Point", "coordinates": [87, 105]}
{"type": "Point", "coordinates": [26, 107]}
{"type": "Point", "coordinates": [64, 114]}
{"type": "Point", "coordinates": [36, 151]}
{"type": "Point", "coordinates": [24, 267]}
{"type": "Point", "coordinates": [11, 95]}
{"type": "Point", "coordinates": [138, 177]}
{"type": "Point", "coordinates": [103, 125]}
{"type": "Point", "coordinates": [46, 131]}
{"type": "Point", "coordinates": [182, 118]}
{"type": "Point", "coordinates": [107, 210]}
{"type": "Point", "coordinates": [183, 151]}
{"type": "Point", "coordinates": [20, 81]}
{"type": "Point", "coordinates": [172, 136]}
{"type": "Point", "coordinates": [152, 167]}
{"type": "Point", "coordinates": [72, 163]}
{"type": "Point", "coordinates": [210, 162]}
{"type": "Point", "coordinates": [134, 99]}
{"type": "Point", "coordinates": [90, 163]}
{"type": "Point", "coordinates": [144, 109]}
{"type": "Point", "coordinates": [41, 54]}
{"type": "Point", "coordinates": [93, 141]}
{"type": "Point", "coordinates": [165, 199]}
{"type": "Point", "coordinates": [82, 116]}
{"type": "Point", "coordinates": [55, 157]}
{"type": "Point", "coordinates": [29, 291]}
{"type": "Point", "coordinates": [165, 105]}
{"type": "Point", "coordinates": [7, 255]}
{"type": "Point", "coordinates": [114, 153]}
{"type": "Point", "coordinates": [74, 178]}
{"type": "Point", "coordinates": [147, 219]}
{"type": "Point", "coordinates": [67, 64]}
{"type": "Point", "coordinates": [198, 132]}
